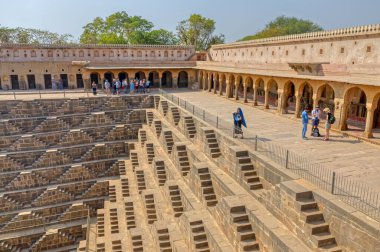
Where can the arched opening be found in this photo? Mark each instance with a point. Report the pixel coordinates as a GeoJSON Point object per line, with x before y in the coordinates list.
{"type": "Point", "coordinates": [306, 96]}
{"type": "Point", "coordinates": [139, 75]}
{"type": "Point", "coordinates": [167, 80]}
{"type": "Point", "coordinates": [240, 88]}
{"type": "Point", "coordinates": [273, 94]}
{"type": "Point", "coordinates": [212, 82]}
{"type": "Point", "coordinates": [223, 83]}
{"type": "Point", "coordinates": [231, 83]}
{"type": "Point", "coordinates": [123, 76]}
{"type": "Point", "coordinates": [290, 98]}
{"type": "Point", "coordinates": [260, 91]}
{"type": "Point", "coordinates": [183, 79]}
{"type": "Point", "coordinates": [154, 79]}
{"type": "Point", "coordinates": [109, 76]}
{"type": "Point", "coordinates": [376, 117]}
{"type": "Point", "coordinates": [95, 77]}
{"type": "Point", "coordinates": [250, 93]}
{"type": "Point", "coordinates": [326, 96]}
{"type": "Point", "coordinates": [356, 111]}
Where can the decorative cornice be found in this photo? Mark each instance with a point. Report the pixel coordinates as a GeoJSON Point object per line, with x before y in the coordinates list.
{"type": "Point", "coordinates": [92, 46]}
{"type": "Point", "coordinates": [328, 34]}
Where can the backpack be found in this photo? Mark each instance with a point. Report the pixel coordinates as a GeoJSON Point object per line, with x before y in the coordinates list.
{"type": "Point", "coordinates": [316, 132]}
{"type": "Point", "coordinates": [332, 119]}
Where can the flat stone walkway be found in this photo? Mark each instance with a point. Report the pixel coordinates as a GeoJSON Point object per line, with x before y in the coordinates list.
{"type": "Point", "coordinates": [347, 156]}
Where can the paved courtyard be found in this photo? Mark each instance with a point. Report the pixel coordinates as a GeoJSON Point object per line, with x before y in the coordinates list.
{"type": "Point", "coordinates": [355, 159]}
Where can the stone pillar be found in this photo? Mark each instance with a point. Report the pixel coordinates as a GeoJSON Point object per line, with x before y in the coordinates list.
{"type": "Point", "coordinates": [266, 102]}
{"type": "Point", "coordinates": [245, 93]}
{"type": "Point", "coordinates": [236, 90]}
{"type": "Point", "coordinates": [297, 113]}
{"type": "Point", "coordinates": [205, 83]}
{"type": "Point", "coordinates": [342, 116]}
{"type": "Point", "coordinates": [40, 81]}
{"type": "Point", "coordinates": [281, 107]}
{"type": "Point", "coordinates": [216, 83]}
{"type": "Point", "coordinates": [369, 122]}
{"type": "Point", "coordinates": [160, 78]}
{"type": "Point", "coordinates": [209, 83]}
{"type": "Point", "coordinates": [255, 87]}
{"type": "Point", "coordinates": [220, 85]}
{"type": "Point", "coordinates": [175, 80]}
{"type": "Point", "coordinates": [228, 89]}
{"type": "Point", "coordinates": [315, 100]}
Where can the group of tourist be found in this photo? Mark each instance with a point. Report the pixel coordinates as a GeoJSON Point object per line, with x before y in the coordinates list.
{"type": "Point", "coordinates": [315, 118]}
{"type": "Point", "coordinates": [56, 84]}
{"type": "Point", "coordinates": [123, 87]}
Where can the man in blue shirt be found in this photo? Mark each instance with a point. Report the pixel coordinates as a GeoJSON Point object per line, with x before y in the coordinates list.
{"type": "Point", "coordinates": [305, 121]}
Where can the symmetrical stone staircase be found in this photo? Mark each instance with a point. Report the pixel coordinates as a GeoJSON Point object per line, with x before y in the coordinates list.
{"type": "Point", "coordinates": [57, 159]}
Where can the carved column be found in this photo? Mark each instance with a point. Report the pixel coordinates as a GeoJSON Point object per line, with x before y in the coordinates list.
{"type": "Point", "coordinates": [369, 121]}
{"type": "Point", "coordinates": [245, 93]}
{"type": "Point", "coordinates": [175, 80]}
{"type": "Point", "coordinates": [297, 113]}
{"type": "Point", "coordinates": [315, 100]}
{"type": "Point", "coordinates": [236, 89]}
{"type": "Point", "coordinates": [281, 103]}
{"type": "Point", "coordinates": [220, 85]}
{"type": "Point", "coordinates": [266, 102]}
{"type": "Point", "coordinates": [216, 83]}
{"type": "Point", "coordinates": [228, 89]}
{"type": "Point", "coordinates": [255, 87]}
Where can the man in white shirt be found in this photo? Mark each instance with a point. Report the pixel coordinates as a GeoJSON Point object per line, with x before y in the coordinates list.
{"type": "Point", "coordinates": [315, 118]}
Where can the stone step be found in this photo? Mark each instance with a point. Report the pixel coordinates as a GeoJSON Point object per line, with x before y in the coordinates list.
{"type": "Point", "coordinates": [323, 239]}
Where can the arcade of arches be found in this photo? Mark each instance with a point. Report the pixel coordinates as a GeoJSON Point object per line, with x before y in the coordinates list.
{"type": "Point", "coordinates": [356, 107]}
{"type": "Point", "coordinates": [158, 79]}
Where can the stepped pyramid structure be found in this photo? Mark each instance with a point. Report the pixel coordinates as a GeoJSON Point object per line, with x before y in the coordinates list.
{"type": "Point", "coordinates": [138, 173]}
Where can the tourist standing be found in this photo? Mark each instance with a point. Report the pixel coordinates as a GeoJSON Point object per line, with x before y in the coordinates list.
{"type": "Point", "coordinates": [94, 86]}
{"type": "Point", "coordinates": [305, 121]}
{"type": "Point", "coordinates": [60, 83]}
{"type": "Point", "coordinates": [131, 86]}
{"type": "Point", "coordinates": [53, 84]}
{"type": "Point", "coordinates": [114, 86]}
{"type": "Point", "coordinates": [330, 119]}
{"type": "Point", "coordinates": [108, 86]}
{"type": "Point", "coordinates": [147, 85]}
{"type": "Point", "coordinates": [118, 86]}
{"type": "Point", "coordinates": [137, 86]}
{"type": "Point", "coordinates": [125, 86]}
{"type": "Point", "coordinates": [315, 121]}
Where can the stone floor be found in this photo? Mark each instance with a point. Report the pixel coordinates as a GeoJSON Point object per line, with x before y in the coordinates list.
{"type": "Point", "coordinates": [348, 156]}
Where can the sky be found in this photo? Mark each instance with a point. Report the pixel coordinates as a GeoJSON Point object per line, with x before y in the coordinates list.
{"type": "Point", "coordinates": [234, 18]}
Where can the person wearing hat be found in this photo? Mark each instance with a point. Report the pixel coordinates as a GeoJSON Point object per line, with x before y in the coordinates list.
{"type": "Point", "coordinates": [329, 116]}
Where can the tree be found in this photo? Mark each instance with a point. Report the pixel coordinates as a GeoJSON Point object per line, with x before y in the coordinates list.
{"type": "Point", "coordinates": [198, 31]}
{"type": "Point", "coordinates": [120, 28]}
{"type": "Point", "coordinates": [285, 26]}
{"type": "Point", "coordinates": [32, 36]}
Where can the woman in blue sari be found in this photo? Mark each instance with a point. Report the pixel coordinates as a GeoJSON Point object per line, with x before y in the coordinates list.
{"type": "Point", "coordinates": [239, 120]}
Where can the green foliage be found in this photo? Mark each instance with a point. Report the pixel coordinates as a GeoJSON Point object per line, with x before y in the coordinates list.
{"type": "Point", "coordinates": [32, 36]}
{"type": "Point", "coordinates": [198, 31]}
{"type": "Point", "coordinates": [120, 28]}
{"type": "Point", "coordinates": [285, 26]}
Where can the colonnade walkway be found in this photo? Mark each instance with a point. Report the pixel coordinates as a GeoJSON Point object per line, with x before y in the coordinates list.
{"type": "Point", "coordinates": [347, 156]}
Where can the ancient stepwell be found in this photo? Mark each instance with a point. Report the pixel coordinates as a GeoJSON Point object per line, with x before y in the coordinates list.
{"type": "Point", "coordinates": [137, 173]}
